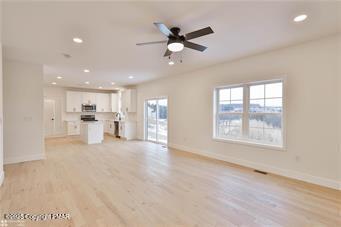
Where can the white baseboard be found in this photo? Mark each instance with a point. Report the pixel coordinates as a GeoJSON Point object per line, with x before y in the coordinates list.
{"type": "Point", "coordinates": [283, 172]}
{"type": "Point", "coordinates": [2, 177]}
{"type": "Point", "coordinates": [24, 158]}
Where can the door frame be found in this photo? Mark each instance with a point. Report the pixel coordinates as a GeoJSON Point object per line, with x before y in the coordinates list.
{"type": "Point", "coordinates": [145, 121]}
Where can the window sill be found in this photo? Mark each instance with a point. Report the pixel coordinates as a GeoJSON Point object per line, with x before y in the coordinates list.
{"type": "Point", "coordinates": [250, 143]}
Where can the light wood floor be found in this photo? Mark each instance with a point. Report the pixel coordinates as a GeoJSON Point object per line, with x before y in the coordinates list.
{"type": "Point", "coordinates": [144, 184]}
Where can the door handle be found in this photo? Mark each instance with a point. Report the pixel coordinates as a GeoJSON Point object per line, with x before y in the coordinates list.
{"type": "Point", "coordinates": [52, 119]}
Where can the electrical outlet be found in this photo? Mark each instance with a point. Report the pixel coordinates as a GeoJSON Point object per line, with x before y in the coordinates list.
{"type": "Point", "coordinates": [297, 158]}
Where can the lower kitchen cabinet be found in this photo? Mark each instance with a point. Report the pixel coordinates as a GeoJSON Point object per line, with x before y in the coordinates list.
{"type": "Point", "coordinates": [110, 127]}
{"type": "Point", "coordinates": [73, 128]}
{"type": "Point", "coordinates": [127, 130]}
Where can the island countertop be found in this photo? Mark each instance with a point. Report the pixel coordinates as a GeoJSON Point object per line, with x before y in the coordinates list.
{"type": "Point", "coordinates": [92, 122]}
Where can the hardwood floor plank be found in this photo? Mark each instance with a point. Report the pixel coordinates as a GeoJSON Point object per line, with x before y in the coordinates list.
{"type": "Point", "coordinates": [135, 183]}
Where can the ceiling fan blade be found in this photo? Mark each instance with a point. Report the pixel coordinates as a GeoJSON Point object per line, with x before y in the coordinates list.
{"type": "Point", "coordinates": [198, 33]}
{"type": "Point", "coordinates": [149, 43]}
{"type": "Point", "coordinates": [163, 28]}
{"type": "Point", "coordinates": [194, 46]}
{"type": "Point", "coordinates": [167, 53]}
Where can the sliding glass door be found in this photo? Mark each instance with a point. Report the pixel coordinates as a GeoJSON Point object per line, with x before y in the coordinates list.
{"type": "Point", "coordinates": [151, 121]}
{"type": "Point", "coordinates": [162, 123]}
{"type": "Point", "coordinates": [156, 120]}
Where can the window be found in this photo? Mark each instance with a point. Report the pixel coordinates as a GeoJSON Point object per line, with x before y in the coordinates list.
{"type": "Point", "coordinates": [250, 112]}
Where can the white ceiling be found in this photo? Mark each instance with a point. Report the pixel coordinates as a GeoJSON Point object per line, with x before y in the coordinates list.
{"type": "Point", "coordinates": [41, 32]}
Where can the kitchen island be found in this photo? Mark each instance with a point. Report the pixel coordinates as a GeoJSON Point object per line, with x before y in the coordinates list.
{"type": "Point", "coordinates": [92, 132]}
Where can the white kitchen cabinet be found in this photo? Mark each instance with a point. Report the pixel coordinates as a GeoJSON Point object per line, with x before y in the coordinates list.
{"type": "Point", "coordinates": [114, 102]}
{"type": "Point", "coordinates": [73, 101]}
{"type": "Point", "coordinates": [106, 126]}
{"type": "Point", "coordinates": [127, 130]}
{"type": "Point", "coordinates": [129, 99]}
{"type": "Point", "coordinates": [111, 127]}
{"type": "Point", "coordinates": [103, 102]}
{"type": "Point", "coordinates": [91, 132]}
{"type": "Point", "coordinates": [88, 97]}
{"type": "Point", "coordinates": [73, 128]}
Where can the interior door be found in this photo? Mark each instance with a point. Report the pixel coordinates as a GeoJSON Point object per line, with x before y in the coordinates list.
{"type": "Point", "coordinates": [49, 117]}
{"type": "Point", "coordinates": [156, 120]}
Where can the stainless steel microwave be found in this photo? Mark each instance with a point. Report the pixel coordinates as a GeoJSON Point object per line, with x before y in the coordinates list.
{"type": "Point", "coordinates": [88, 107]}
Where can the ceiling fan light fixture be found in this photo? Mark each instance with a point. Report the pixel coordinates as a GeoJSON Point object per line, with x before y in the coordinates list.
{"type": "Point", "coordinates": [175, 46]}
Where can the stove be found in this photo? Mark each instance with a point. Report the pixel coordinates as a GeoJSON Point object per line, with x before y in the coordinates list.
{"type": "Point", "coordinates": [88, 118]}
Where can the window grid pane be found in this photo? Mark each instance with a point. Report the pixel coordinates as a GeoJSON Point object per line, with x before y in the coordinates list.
{"type": "Point", "coordinates": [229, 125]}
{"type": "Point", "coordinates": [225, 94]}
{"type": "Point", "coordinates": [274, 90]}
{"type": "Point", "coordinates": [230, 100]}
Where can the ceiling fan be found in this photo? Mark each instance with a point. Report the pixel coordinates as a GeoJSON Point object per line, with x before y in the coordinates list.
{"type": "Point", "coordinates": [177, 42]}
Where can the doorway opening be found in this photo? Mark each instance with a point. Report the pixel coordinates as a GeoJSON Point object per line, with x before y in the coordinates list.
{"type": "Point", "coordinates": [156, 120]}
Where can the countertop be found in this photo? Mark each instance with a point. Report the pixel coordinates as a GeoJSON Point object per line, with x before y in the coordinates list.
{"type": "Point", "coordinates": [103, 120]}
{"type": "Point", "coordinates": [128, 121]}
{"type": "Point", "coordinates": [91, 122]}
{"type": "Point", "coordinates": [72, 120]}
{"type": "Point", "coordinates": [112, 120]}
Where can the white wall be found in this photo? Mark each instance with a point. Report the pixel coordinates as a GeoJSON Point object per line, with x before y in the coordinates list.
{"type": "Point", "coordinates": [59, 95]}
{"type": "Point", "coordinates": [23, 112]}
{"type": "Point", "coordinates": [311, 117]}
{"type": "Point", "coordinates": [1, 105]}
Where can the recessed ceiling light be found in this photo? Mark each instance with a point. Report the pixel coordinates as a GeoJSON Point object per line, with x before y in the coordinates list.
{"type": "Point", "coordinates": [100, 87]}
{"type": "Point", "coordinates": [59, 77]}
{"type": "Point", "coordinates": [112, 83]}
{"type": "Point", "coordinates": [300, 18]}
{"type": "Point", "coordinates": [54, 83]}
{"type": "Point", "coordinates": [77, 40]}
{"type": "Point", "coordinates": [131, 77]}
{"type": "Point", "coordinates": [171, 63]}
{"type": "Point", "coordinates": [87, 82]}
{"type": "Point", "coordinates": [86, 70]}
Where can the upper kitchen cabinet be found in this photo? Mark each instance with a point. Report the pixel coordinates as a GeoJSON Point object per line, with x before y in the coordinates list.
{"type": "Point", "coordinates": [114, 102]}
{"type": "Point", "coordinates": [129, 100]}
{"type": "Point", "coordinates": [103, 102]}
{"type": "Point", "coordinates": [89, 98]}
{"type": "Point", "coordinates": [73, 101]}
